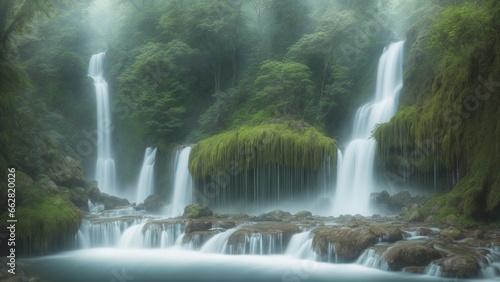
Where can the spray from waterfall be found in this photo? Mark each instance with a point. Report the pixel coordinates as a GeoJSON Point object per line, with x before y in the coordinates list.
{"type": "Point", "coordinates": [355, 177]}
{"type": "Point", "coordinates": [105, 165]}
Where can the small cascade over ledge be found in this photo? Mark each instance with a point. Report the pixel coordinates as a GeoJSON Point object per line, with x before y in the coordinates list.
{"type": "Point", "coordinates": [355, 169]}
{"type": "Point", "coordinates": [105, 166]}
{"type": "Point", "coordinates": [183, 184]}
{"type": "Point", "coordinates": [145, 185]}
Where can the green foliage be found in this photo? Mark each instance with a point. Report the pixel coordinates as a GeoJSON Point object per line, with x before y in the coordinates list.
{"type": "Point", "coordinates": [285, 85]}
{"type": "Point", "coordinates": [291, 145]}
{"type": "Point", "coordinates": [451, 105]}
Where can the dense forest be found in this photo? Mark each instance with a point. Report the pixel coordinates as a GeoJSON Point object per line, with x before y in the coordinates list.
{"type": "Point", "coordinates": [194, 71]}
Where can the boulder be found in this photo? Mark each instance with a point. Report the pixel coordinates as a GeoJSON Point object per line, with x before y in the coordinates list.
{"type": "Point", "coordinates": [154, 203]}
{"type": "Point", "coordinates": [279, 234]}
{"type": "Point", "coordinates": [276, 215]}
{"type": "Point", "coordinates": [404, 255]}
{"type": "Point", "coordinates": [198, 238]}
{"type": "Point", "coordinates": [197, 225]}
{"type": "Point", "coordinates": [452, 233]}
{"type": "Point", "coordinates": [111, 202]}
{"type": "Point", "coordinates": [196, 211]}
{"type": "Point", "coordinates": [349, 243]}
{"type": "Point", "coordinates": [402, 199]}
{"type": "Point", "coordinates": [66, 171]}
{"type": "Point", "coordinates": [459, 266]}
{"type": "Point", "coordinates": [302, 214]}
{"type": "Point", "coordinates": [416, 216]}
{"type": "Point", "coordinates": [414, 269]}
{"type": "Point", "coordinates": [386, 233]}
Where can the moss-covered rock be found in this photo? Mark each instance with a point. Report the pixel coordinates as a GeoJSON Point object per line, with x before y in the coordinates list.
{"type": "Point", "coordinates": [386, 233]}
{"type": "Point", "coordinates": [196, 211]}
{"type": "Point", "coordinates": [448, 123]}
{"type": "Point", "coordinates": [249, 147]}
{"type": "Point", "coordinates": [197, 225]}
{"type": "Point", "coordinates": [452, 233]}
{"type": "Point", "coordinates": [349, 243]}
{"type": "Point", "coordinates": [404, 255]}
{"type": "Point", "coordinates": [276, 215]}
{"type": "Point", "coordinates": [154, 203]}
{"type": "Point", "coordinates": [459, 266]}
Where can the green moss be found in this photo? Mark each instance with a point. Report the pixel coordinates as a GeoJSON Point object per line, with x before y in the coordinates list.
{"type": "Point", "coordinates": [47, 219]}
{"type": "Point", "coordinates": [291, 145]}
{"type": "Point", "coordinates": [446, 102]}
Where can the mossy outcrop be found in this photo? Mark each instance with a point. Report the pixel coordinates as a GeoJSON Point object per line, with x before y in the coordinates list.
{"type": "Point", "coordinates": [290, 145]}
{"type": "Point", "coordinates": [346, 244]}
{"type": "Point", "coordinates": [446, 132]}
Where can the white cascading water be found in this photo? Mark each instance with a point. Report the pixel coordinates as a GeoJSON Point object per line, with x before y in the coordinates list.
{"type": "Point", "coordinates": [145, 185]}
{"type": "Point", "coordinates": [105, 165]}
{"type": "Point", "coordinates": [183, 186]}
{"type": "Point", "coordinates": [355, 179]}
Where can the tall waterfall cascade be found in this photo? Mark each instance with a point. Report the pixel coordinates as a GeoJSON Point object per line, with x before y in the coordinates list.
{"type": "Point", "coordinates": [145, 185]}
{"type": "Point", "coordinates": [355, 169]}
{"type": "Point", "coordinates": [183, 183]}
{"type": "Point", "coordinates": [105, 165]}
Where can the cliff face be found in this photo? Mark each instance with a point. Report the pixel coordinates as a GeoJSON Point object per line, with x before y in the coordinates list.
{"type": "Point", "coordinates": [445, 136]}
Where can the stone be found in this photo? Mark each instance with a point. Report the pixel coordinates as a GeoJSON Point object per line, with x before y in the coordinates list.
{"type": "Point", "coordinates": [196, 211]}
{"type": "Point", "coordinates": [154, 203]}
{"type": "Point", "coordinates": [197, 225]}
{"type": "Point", "coordinates": [416, 216]}
{"type": "Point", "coordinates": [402, 199]}
{"type": "Point", "coordinates": [404, 255]}
{"type": "Point", "coordinates": [349, 242]}
{"type": "Point", "coordinates": [452, 233]}
{"type": "Point", "coordinates": [459, 266]}
{"type": "Point", "coordinates": [414, 269]}
{"type": "Point", "coordinates": [277, 230]}
{"type": "Point", "coordinates": [303, 214]}
{"type": "Point", "coordinates": [477, 234]}
{"type": "Point", "coordinates": [386, 233]}
{"type": "Point", "coordinates": [276, 215]}
{"type": "Point", "coordinates": [225, 224]}
{"type": "Point", "coordinates": [198, 238]}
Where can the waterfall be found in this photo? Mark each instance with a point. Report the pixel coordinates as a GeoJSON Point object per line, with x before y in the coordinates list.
{"type": "Point", "coordinates": [183, 186]}
{"type": "Point", "coordinates": [219, 243]}
{"type": "Point", "coordinates": [355, 177]}
{"type": "Point", "coordinates": [105, 165]}
{"type": "Point", "coordinates": [300, 246]}
{"type": "Point", "coordinates": [145, 185]}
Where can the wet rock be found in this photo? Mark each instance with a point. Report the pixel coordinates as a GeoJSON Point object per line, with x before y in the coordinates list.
{"type": "Point", "coordinates": [196, 211]}
{"type": "Point", "coordinates": [66, 171]}
{"type": "Point", "coordinates": [452, 233]}
{"type": "Point", "coordinates": [154, 203]}
{"type": "Point", "coordinates": [111, 202]}
{"type": "Point", "coordinates": [422, 231]}
{"type": "Point", "coordinates": [240, 216]}
{"type": "Point", "coordinates": [278, 233]}
{"type": "Point", "coordinates": [225, 224]}
{"type": "Point", "coordinates": [197, 225]}
{"type": "Point", "coordinates": [404, 255]}
{"type": "Point", "coordinates": [79, 197]}
{"type": "Point", "coordinates": [416, 216]}
{"type": "Point", "coordinates": [198, 238]}
{"type": "Point", "coordinates": [414, 269]}
{"type": "Point", "coordinates": [386, 233]}
{"type": "Point", "coordinates": [276, 215]}
{"type": "Point", "coordinates": [302, 214]}
{"type": "Point", "coordinates": [402, 199]}
{"type": "Point", "coordinates": [477, 234]}
{"type": "Point", "coordinates": [459, 266]}
{"type": "Point", "coordinates": [349, 243]}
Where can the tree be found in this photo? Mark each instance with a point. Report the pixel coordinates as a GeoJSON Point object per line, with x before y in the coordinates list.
{"type": "Point", "coordinates": [287, 86]}
{"type": "Point", "coordinates": [320, 46]}
{"type": "Point", "coordinates": [158, 88]}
